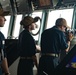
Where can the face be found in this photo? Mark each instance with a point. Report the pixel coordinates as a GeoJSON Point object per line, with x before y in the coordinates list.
{"type": "Point", "coordinates": [32, 26]}
{"type": "Point", "coordinates": [2, 21]}
{"type": "Point", "coordinates": [63, 28]}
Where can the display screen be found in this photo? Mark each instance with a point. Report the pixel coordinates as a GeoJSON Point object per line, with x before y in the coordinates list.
{"type": "Point", "coordinates": [72, 63]}
{"type": "Point", "coordinates": [45, 4]}
{"type": "Point", "coordinates": [69, 61]}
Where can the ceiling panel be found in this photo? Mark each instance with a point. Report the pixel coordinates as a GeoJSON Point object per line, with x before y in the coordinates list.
{"type": "Point", "coordinates": [21, 6]}
{"type": "Point", "coordinates": [24, 6]}
{"type": "Point", "coordinates": [6, 4]}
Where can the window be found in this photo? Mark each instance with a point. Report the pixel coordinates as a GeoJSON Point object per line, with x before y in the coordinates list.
{"type": "Point", "coordinates": [4, 29]}
{"type": "Point", "coordinates": [53, 15]}
{"type": "Point", "coordinates": [34, 14]}
{"type": "Point", "coordinates": [17, 26]}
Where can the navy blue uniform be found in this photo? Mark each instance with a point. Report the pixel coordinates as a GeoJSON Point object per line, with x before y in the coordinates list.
{"type": "Point", "coordinates": [27, 49]}
{"type": "Point", "coordinates": [52, 41]}
{"type": "Point", "coordinates": [2, 53]}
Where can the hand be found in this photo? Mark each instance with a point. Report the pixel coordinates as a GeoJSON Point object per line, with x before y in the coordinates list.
{"type": "Point", "coordinates": [70, 36]}
{"type": "Point", "coordinates": [7, 73]}
{"type": "Point", "coordinates": [38, 48]}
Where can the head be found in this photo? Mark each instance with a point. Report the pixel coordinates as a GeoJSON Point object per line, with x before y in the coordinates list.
{"type": "Point", "coordinates": [2, 18]}
{"type": "Point", "coordinates": [28, 22]}
{"type": "Point", "coordinates": [61, 23]}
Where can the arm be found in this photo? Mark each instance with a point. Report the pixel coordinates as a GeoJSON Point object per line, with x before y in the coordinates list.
{"type": "Point", "coordinates": [38, 48]}
{"type": "Point", "coordinates": [70, 37]}
{"type": "Point", "coordinates": [68, 46]}
{"type": "Point", "coordinates": [35, 60]}
{"type": "Point", "coordinates": [5, 66]}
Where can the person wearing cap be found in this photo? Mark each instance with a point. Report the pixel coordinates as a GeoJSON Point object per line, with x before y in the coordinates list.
{"type": "Point", "coordinates": [27, 47]}
{"type": "Point", "coordinates": [3, 57]}
{"type": "Point", "coordinates": [53, 40]}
